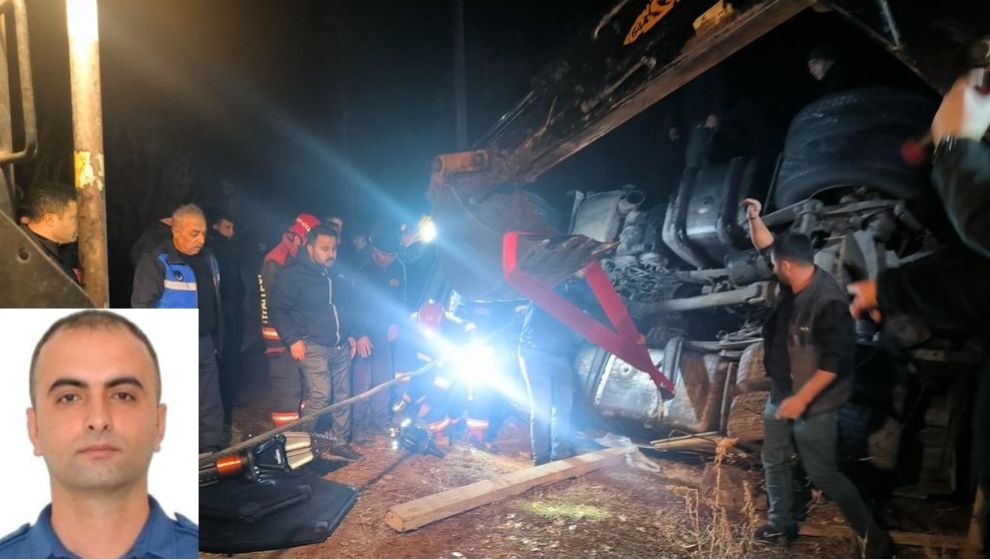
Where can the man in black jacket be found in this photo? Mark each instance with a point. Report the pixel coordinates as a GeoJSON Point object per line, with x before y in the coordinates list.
{"type": "Point", "coordinates": [951, 291]}
{"type": "Point", "coordinates": [380, 290]}
{"type": "Point", "coordinates": [51, 213]}
{"type": "Point", "coordinates": [304, 312]}
{"type": "Point", "coordinates": [809, 356]}
{"type": "Point", "coordinates": [232, 292]}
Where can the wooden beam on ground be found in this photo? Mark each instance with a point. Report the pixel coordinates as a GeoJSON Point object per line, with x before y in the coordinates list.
{"type": "Point", "coordinates": [422, 511]}
{"type": "Point", "coordinates": [923, 540]}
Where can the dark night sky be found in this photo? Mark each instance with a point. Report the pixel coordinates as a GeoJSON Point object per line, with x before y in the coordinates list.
{"type": "Point", "coordinates": [339, 106]}
{"type": "Point", "coordinates": [256, 90]}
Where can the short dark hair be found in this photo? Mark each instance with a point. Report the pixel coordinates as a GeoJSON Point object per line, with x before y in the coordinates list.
{"type": "Point", "coordinates": [93, 319]}
{"type": "Point", "coordinates": [794, 247]}
{"type": "Point", "coordinates": [47, 197]}
{"type": "Point", "coordinates": [319, 230]}
{"type": "Point", "coordinates": [217, 218]}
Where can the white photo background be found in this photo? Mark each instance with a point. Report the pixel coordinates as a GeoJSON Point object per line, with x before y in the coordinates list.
{"type": "Point", "coordinates": [173, 479]}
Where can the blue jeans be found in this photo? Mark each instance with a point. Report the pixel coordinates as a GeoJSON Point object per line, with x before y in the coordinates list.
{"type": "Point", "coordinates": [816, 438]}
{"type": "Point", "coordinates": [550, 383]}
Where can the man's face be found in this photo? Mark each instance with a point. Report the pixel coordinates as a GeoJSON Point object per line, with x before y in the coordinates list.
{"type": "Point", "coordinates": [225, 228]}
{"type": "Point", "coordinates": [382, 258]}
{"type": "Point", "coordinates": [323, 251]}
{"type": "Point", "coordinates": [360, 242]}
{"type": "Point", "coordinates": [64, 226]}
{"type": "Point", "coordinates": [96, 419]}
{"type": "Point", "coordinates": [818, 67]}
{"type": "Point", "coordinates": [189, 234]}
{"type": "Point", "coordinates": [782, 269]}
{"type": "Point", "coordinates": [336, 223]}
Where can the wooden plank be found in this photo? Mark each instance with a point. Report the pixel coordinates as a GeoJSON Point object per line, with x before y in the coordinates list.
{"type": "Point", "coordinates": [422, 511]}
{"type": "Point", "coordinates": [974, 545]}
{"type": "Point", "coordinates": [924, 540]}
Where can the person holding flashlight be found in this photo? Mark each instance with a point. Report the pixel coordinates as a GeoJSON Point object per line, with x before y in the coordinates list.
{"type": "Point", "coordinates": [951, 291]}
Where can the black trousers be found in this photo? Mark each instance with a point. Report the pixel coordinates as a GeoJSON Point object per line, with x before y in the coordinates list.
{"type": "Point", "coordinates": [210, 403]}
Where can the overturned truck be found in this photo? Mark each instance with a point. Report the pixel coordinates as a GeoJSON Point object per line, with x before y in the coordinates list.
{"type": "Point", "coordinates": [682, 261]}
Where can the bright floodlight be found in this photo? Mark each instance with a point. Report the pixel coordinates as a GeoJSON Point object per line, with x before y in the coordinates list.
{"type": "Point", "coordinates": [428, 232]}
{"type": "Point", "coordinates": [476, 363]}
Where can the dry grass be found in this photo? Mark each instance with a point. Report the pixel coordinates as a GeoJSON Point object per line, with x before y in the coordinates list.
{"type": "Point", "coordinates": [707, 529]}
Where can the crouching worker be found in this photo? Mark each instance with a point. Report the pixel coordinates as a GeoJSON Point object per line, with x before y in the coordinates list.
{"type": "Point", "coordinates": [810, 345]}
{"type": "Point", "coordinates": [435, 398]}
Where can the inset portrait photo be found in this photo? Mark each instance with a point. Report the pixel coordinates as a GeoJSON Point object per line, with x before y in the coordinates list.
{"type": "Point", "coordinates": [100, 410]}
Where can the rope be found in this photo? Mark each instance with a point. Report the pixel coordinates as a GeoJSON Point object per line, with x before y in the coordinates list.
{"type": "Point", "coordinates": [207, 458]}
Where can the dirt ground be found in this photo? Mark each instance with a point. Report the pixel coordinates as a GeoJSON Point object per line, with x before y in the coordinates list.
{"type": "Point", "coordinates": [618, 512]}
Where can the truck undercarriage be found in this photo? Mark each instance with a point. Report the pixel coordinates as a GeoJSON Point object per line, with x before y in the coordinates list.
{"type": "Point", "coordinates": [682, 261]}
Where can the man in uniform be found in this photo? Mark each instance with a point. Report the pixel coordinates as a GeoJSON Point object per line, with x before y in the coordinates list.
{"type": "Point", "coordinates": [182, 274]}
{"type": "Point", "coordinates": [96, 417]}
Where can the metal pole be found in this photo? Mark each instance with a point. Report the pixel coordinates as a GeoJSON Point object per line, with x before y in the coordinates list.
{"type": "Point", "coordinates": [460, 87]}
{"type": "Point", "coordinates": [87, 136]}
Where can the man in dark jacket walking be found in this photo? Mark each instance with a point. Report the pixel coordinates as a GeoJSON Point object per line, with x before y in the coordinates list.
{"type": "Point", "coordinates": [181, 274]}
{"type": "Point", "coordinates": [303, 310]}
{"type": "Point", "coordinates": [809, 346]}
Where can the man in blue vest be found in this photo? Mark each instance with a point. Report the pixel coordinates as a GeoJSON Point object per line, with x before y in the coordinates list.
{"type": "Point", "coordinates": [182, 274]}
{"type": "Point", "coordinates": [97, 418]}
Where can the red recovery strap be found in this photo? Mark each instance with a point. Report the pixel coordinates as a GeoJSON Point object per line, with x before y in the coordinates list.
{"type": "Point", "coordinates": [620, 338]}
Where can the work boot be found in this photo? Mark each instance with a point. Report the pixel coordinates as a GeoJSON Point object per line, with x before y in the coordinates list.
{"type": "Point", "coordinates": [769, 534]}
{"type": "Point", "coordinates": [347, 452]}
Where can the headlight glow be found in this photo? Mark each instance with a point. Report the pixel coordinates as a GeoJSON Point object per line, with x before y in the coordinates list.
{"type": "Point", "coordinates": [428, 231]}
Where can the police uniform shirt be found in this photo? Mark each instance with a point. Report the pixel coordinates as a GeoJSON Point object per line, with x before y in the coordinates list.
{"type": "Point", "coordinates": [161, 537]}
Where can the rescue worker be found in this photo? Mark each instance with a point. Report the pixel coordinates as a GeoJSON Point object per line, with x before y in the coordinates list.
{"type": "Point", "coordinates": [380, 290]}
{"type": "Point", "coordinates": [183, 274]}
{"type": "Point", "coordinates": [284, 372]}
{"type": "Point", "coordinates": [426, 397]}
{"type": "Point", "coordinates": [951, 292]}
{"type": "Point", "coordinates": [810, 357]}
{"type": "Point", "coordinates": [98, 445]}
{"type": "Point", "coordinates": [442, 398]}
{"type": "Point", "coordinates": [499, 324]}
{"type": "Point", "coordinates": [232, 292]}
{"type": "Point", "coordinates": [303, 309]}
{"type": "Point", "coordinates": [51, 213]}
{"type": "Point", "coordinates": [546, 351]}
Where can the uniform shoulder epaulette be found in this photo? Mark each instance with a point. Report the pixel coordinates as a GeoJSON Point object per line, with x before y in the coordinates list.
{"type": "Point", "coordinates": [20, 532]}
{"type": "Point", "coordinates": [183, 523]}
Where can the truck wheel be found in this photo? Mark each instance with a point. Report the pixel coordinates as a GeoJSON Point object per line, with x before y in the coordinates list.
{"type": "Point", "coordinates": [854, 138]}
